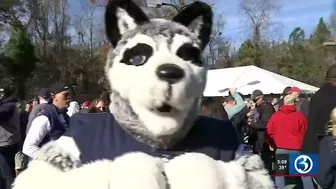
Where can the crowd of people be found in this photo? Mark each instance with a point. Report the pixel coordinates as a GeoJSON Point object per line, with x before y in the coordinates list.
{"type": "Point", "coordinates": [25, 127]}
{"type": "Point", "coordinates": [292, 124]}
{"type": "Point", "coordinates": [289, 124]}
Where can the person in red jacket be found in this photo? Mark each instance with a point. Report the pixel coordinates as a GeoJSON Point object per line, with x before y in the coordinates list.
{"type": "Point", "coordinates": [284, 133]}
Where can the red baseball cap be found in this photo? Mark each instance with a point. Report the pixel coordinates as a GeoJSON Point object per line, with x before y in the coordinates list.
{"type": "Point", "coordinates": [86, 104]}
{"type": "Point", "coordinates": [294, 90]}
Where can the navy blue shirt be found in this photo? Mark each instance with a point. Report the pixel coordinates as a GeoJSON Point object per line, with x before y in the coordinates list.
{"type": "Point", "coordinates": [58, 121]}
{"type": "Point", "coordinates": [326, 176]}
{"type": "Point", "coordinates": [99, 136]}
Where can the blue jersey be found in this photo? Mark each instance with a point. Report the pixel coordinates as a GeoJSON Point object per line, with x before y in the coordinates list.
{"type": "Point", "coordinates": [99, 136]}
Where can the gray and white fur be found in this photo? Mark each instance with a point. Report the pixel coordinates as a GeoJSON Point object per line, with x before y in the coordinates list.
{"type": "Point", "coordinates": [144, 51]}
{"type": "Point", "coordinates": [139, 170]}
{"type": "Point", "coordinates": [57, 157]}
{"type": "Point", "coordinates": [157, 78]}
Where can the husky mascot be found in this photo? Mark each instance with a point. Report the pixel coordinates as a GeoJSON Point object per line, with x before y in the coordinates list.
{"type": "Point", "coordinates": [153, 137]}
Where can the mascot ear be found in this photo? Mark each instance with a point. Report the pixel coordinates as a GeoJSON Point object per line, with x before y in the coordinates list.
{"type": "Point", "coordinates": [198, 18]}
{"type": "Point", "coordinates": [122, 16]}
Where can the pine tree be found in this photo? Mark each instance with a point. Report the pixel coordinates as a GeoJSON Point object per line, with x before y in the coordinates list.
{"type": "Point", "coordinates": [19, 59]}
{"type": "Point", "coordinates": [247, 54]}
{"type": "Point", "coordinates": [321, 33]}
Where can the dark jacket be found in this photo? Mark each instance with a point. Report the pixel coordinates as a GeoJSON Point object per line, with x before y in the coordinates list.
{"type": "Point", "coordinates": [265, 111]}
{"type": "Point", "coordinates": [281, 102]}
{"type": "Point", "coordinates": [326, 176]}
{"type": "Point", "coordinates": [286, 128]}
{"type": "Point", "coordinates": [59, 122]}
{"type": "Point", "coordinates": [9, 122]}
{"type": "Point", "coordinates": [7, 108]}
{"type": "Point", "coordinates": [23, 124]}
{"type": "Point", "coordinates": [320, 106]}
{"type": "Point", "coordinates": [240, 121]}
{"type": "Point", "coordinates": [107, 140]}
{"type": "Point", "coordinates": [303, 106]}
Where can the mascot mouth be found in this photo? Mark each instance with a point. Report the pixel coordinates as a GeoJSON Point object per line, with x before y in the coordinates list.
{"type": "Point", "coordinates": [165, 108]}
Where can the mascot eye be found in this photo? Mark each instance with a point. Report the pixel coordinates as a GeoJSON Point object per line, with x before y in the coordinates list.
{"type": "Point", "coordinates": [190, 53]}
{"type": "Point", "coordinates": [138, 60]}
{"type": "Point", "coordinates": [137, 55]}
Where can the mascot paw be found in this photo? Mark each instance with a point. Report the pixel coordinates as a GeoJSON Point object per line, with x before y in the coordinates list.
{"type": "Point", "coordinates": [132, 170]}
{"type": "Point", "coordinates": [233, 175]}
{"type": "Point", "coordinates": [142, 171]}
{"type": "Point", "coordinates": [89, 176]}
{"type": "Point", "coordinates": [198, 171]}
{"type": "Point", "coordinates": [257, 176]}
{"type": "Point", "coordinates": [193, 170]}
{"type": "Point", "coordinates": [138, 170]}
{"type": "Point", "coordinates": [56, 156]}
{"type": "Point", "coordinates": [38, 175]}
{"type": "Point", "coordinates": [251, 162]}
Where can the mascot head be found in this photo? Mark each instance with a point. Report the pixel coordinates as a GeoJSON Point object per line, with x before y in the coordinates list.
{"type": "Point", "coordinates": [155, 69]}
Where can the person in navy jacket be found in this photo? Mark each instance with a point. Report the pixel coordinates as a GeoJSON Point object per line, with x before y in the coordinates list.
{"type": "Point", "coordinates": [326, 176]}
{"type": "Point", "coordinates": [51, 122]}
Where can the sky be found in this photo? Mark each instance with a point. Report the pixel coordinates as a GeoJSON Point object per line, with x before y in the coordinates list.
{"type": "Point", "coordinates": [292, 13]}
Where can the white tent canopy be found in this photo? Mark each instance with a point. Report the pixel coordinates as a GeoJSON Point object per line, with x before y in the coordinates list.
{"type": "Point", "coordinates": [239, 77]}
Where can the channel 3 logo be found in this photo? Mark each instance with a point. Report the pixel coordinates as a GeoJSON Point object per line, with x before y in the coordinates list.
{"type": "Point", "coordinates": [303, 164]}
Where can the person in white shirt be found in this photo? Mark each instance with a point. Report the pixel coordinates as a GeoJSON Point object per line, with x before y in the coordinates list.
{"type": "Point", "coordinates": [51, 122]}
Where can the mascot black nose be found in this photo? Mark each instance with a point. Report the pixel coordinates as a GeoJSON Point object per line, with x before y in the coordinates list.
{"type": "Point", "coordinates": [170, 73]}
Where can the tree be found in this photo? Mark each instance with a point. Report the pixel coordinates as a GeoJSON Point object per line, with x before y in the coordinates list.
{"type": "Point", "coordinates": [257, 15]}
{"type": "Point", "coordinates": [321, 33]}
{"type": "Point", "coordinates": [297, 36]}
{"type": "Point", "coordinates": [217, 53]}
{"type": "Point", "coordinates": [39, 25]}
{"type": "Point", "coordinates": [20, 59]}
{"type": "Point", "coordinates": [9, 10]}
{"type": "Point", "coordinates": [319, 56]}
{"type": "Point", "coordinates": [87, 29]}
{"type": "Point", "coordinates": [258, 19]}
{"type": "Point", "coordinates": [49, 24]}
{"type": "Point", "coordinates": [246, 53]}
{"type": "Point", "coordinates": [297, 63]}
{"type": "Point", "coordinates": [332, 23]}
{"type": "Point", "coordinates": [103, 50]}
{"type": "Point", "coordinates": [9, 14]}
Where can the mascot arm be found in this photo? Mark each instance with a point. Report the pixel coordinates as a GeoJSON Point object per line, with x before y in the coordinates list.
{"type": "Point", "coordinates": [190, 170]}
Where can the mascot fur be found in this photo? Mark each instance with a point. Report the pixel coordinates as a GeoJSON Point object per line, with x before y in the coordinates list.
{"type": "Point", "coordinates": [153, 138]}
